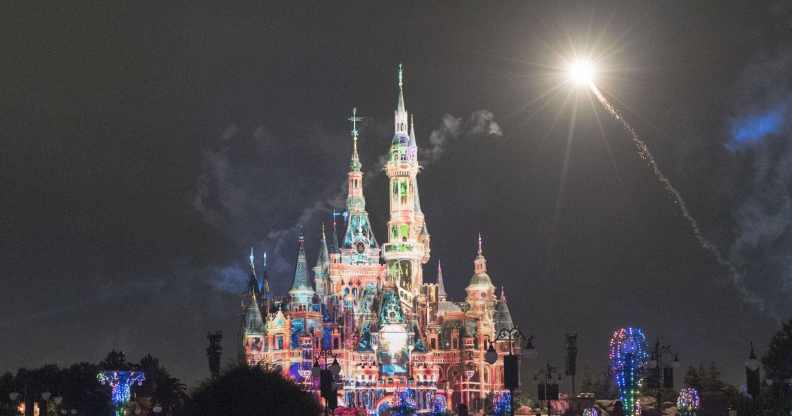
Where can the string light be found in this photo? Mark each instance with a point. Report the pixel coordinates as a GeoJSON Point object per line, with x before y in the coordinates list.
{"type": "Point", "coordinates": [120, 383]}
{"type": "Point", "coordinates": [628, 355]}
{"type": "Point", "coordinates": [688, 401]}
{"type": "Point", "coordinates": [591, 411]}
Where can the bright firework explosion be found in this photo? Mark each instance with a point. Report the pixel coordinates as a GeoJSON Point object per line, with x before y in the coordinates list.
{"type": "Point", "coordinates": [628, 355]}
{"type": "Point", "coordinates": [580, 70]}
{"type": "Point", "coordinates": [688, 401]}
{"type": "Point", "coordinates": [591, 411]}
{"type": "Point", "coordinates": [120, 383]}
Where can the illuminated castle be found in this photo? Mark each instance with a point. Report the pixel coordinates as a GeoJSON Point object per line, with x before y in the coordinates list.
{"type": "Point", "coordinates": [368, 306]}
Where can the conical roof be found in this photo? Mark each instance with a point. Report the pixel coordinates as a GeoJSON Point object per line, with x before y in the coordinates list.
{"type": "Point", "coordinates": [301, 282]}
{"type": "Point", "coordinates": [253, 323]}
{"type": "Point", "coordinates": [502, 316]}
{"type": "Point", "coordinates": [323, 260]}
{"type": "Point", "coordinates": [441, 292]}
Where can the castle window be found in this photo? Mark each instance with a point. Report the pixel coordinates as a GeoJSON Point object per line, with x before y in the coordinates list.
{"type": "Point", "coordinates": [280, 342]}
{"type": "Point", "coordinates": [433, 344]}
{"type": "Point", "coordinates": [335, 343]}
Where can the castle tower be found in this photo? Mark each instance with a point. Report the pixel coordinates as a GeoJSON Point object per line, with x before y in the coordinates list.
{"type": "Point", "coordinates": [359, 245]}
{"type": "Point", "coordinates": [408, 239]}
{"type": "Point", "coordinates": [322, 268]}
{"type": "Point", "coordinates": [480, 291]}
{"type": "Point", "coordinates": [301, 293]}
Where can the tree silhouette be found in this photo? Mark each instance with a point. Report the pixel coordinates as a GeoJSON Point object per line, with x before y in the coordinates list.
{"type": "Point", "coordinates": [251, 391]}
{"type": "Point", "coordinates": [160, 386]}
{"type": "Point", "coordinates": [777, 362]}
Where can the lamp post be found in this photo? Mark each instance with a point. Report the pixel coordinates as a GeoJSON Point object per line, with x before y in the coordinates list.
{"type": "Point", "coordinates": [752, 376]}
{"type": "Point", "coordinates": [660, 351]}
{"type": "Point", "coordinates": [328, 378]}
{"type": "Point", "coordinates": [547, 372]}
{"type": "Point", "coordinates": [511, 366]}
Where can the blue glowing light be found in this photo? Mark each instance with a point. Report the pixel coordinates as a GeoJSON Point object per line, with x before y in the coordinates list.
{"type": "Point", "coordinates": [120, 383]}
{"type": "Point", "coordinates": [751, 129]}
{"type": "Point", "coordinates": [627, 353]}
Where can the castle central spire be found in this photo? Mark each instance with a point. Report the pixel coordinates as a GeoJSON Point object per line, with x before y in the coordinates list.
{"type": "Point", "coordinates": [400, 117]}
{"type": "Point", "coordinates": [354, 163]}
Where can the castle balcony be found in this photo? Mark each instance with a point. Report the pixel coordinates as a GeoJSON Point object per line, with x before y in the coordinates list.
{"type": "Point", "coordinates": [401, 247]}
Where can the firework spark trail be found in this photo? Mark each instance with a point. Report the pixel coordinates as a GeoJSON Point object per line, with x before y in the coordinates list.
{"type": "Point", "coordinates": [645, 154]}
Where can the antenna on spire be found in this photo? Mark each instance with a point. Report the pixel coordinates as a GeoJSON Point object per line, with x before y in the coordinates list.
{"type": "Point", "coordinates": [323, 231]}
{"type": "Point", "coordinates": [480, 250]}
{"type": "Point", "coordinates": [401, 75]}
{"type": "Point", "coordinates": [354, 119]}
{"type": "Point", "coordinates": [251, 257]}
{"type": "Point", "coordinates": [265, 259]}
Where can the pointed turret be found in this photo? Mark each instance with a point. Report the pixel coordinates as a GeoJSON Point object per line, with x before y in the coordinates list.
{"type": "Point", "coordinates": [360, 245]}
{"type": "Point", "coordinates": [502, 316]}
{"type": "Point", "coordinates": [253, 323]}
{"type": "Point", "coordinates": [265, 286]}
{"type": "Point", "coordinates": [253, 283]}
{"type": "Point", "coordinates": [301, 291]}
{"type": "Point", "coordinates": [354, 162]}
{"type": "Point", "coordinates": [480, 276]}
{"type": "Point", "coordinates": [441, 292]}
{"type": "Point", "coordinates": [400, 118]}
{"type": "Point", "coordinates": [322, 268]}
{"type": "Point", "coordinates": [480, 291]}
{"type": "Point", "coordinates": [333, 243]}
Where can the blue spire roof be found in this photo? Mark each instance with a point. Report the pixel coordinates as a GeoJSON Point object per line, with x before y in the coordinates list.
{"type": "Point", "coordinates": [301, 282]}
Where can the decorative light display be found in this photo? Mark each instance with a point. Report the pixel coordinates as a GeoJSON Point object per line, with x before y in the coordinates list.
{"type": "Point", "coordinates": [120, 383]}
{"type": "Point", "coordinates": [591, 411]}
{"type": "Point", "coordinates": [501, 404]}
{"type": "Point", "coordinates": [688, 401]}
{"type": "Point", "coordinates": [628, 355]}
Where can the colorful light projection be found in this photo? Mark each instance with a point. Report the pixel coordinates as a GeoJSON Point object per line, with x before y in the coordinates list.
{"type": "Point", "coordinates": [628, 355]}
{"type": "Point", "coordinates": [591, 411]}
{"type": "Point", "coordinates": [688, 401]}
{"type": "Point", "coordinates": [501, 404]}
{"type": "Point", "coordinates": [120, 383]}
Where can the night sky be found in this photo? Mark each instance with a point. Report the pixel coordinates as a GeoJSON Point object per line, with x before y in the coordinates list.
{"type": "Point", "coordinates": [145, 147]}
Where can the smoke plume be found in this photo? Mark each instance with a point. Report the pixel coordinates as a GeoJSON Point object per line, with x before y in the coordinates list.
{"type": "Point", "coordinates": [263, 184]}
{"type": "Point", "coordinates": [761, 140]}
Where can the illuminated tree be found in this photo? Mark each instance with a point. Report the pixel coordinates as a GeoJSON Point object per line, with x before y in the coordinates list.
{"type": "Point", "coordinates": [628, 355]}
{"type": "Point", "coordinates": [120, 383]}
{"type": "Point", "coordinates": [688, 401]}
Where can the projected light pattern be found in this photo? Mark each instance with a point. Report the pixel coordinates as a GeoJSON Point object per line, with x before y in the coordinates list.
{"type": "Point", "coordinates": [628, 355]}
{"type": "Point", "coordinates": [753, 128]}
{"type": "Point", "coordinates": [120, 383]}
{"type": "Point", "coordinates": [591, 411]}
{"type": "Point", "coordinates": [501, 404]}
{"type": "Point", "coordinates": [688, 401]}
